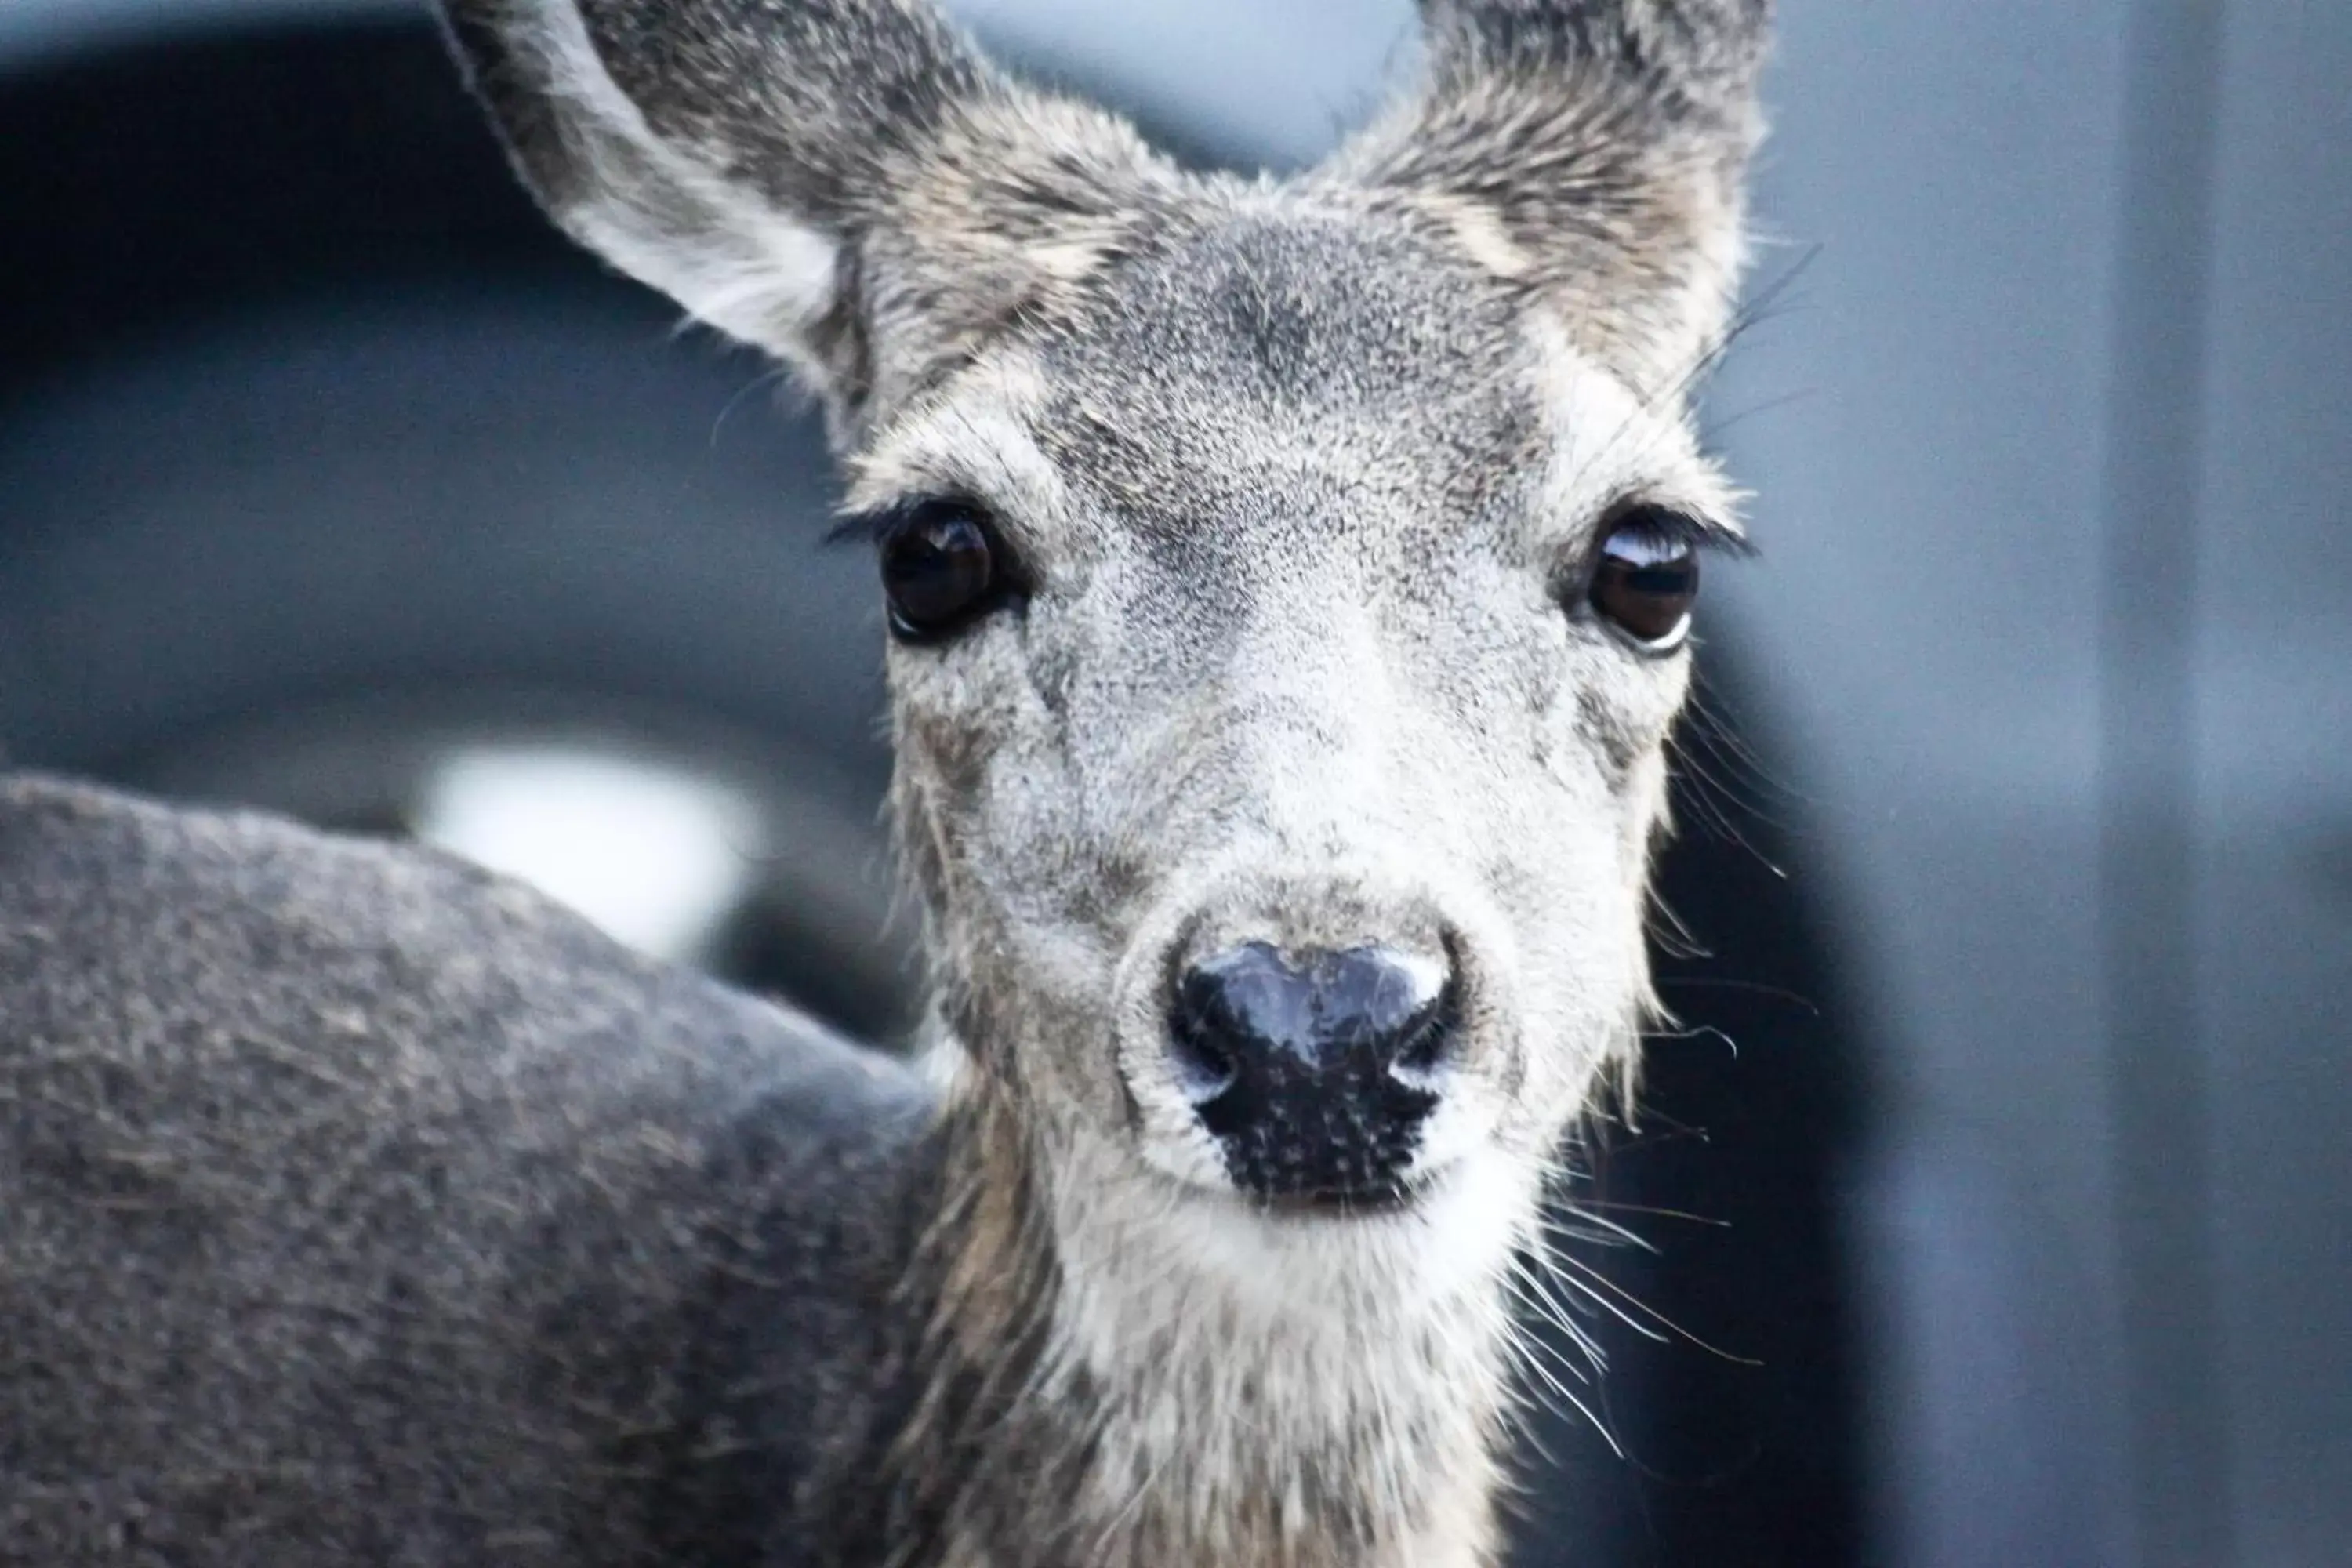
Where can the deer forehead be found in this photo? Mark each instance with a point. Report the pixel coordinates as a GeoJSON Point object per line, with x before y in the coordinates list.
{"type": "Point", "coordinates": [1283, 370]}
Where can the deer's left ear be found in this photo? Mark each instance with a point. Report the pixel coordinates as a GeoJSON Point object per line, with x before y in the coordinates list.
{"type": "Point", "coordinates": [1597, 149]}
{"type": "Point", "coordinates": [845, 183]}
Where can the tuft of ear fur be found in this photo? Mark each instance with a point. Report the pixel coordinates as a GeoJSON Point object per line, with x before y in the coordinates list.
{"type": "Point", "coordinates": [1596, 150]}
{"type": "Point", "coordinates": [845, 183]}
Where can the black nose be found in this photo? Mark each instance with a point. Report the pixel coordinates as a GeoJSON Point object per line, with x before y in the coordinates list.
{"type": "Point", "coordinates": [1314, 1070]}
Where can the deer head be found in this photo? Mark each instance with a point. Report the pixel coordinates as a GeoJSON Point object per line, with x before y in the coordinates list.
{"type": "Point", "coordinates": [1289, 582]}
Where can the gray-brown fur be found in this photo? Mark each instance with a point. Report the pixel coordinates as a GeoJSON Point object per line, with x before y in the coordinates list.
{"type": "Point", "coordinates": [1607, 144]}
{"type": "Point", "coordinates": [448, 1234]}
{"type": "Point", "coordinates": [362, 1209]}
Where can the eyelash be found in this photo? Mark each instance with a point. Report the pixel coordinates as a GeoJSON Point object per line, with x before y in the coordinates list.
{"type": "Point", "coordinates": [1675, 525]}
{"type": "Point", "coordinates": [871, 528]}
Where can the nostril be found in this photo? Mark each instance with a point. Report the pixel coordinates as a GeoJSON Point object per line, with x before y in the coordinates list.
{"type": "Point", "coordinates": [1397, 1008]}
{"type": "Point", "coordinates": [1201, 1046]}
{"type": "Point", "coordinates": [1427, 1038]}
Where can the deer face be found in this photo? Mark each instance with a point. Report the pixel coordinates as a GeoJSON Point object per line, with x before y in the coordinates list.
{"type": "Point", "coordinates": [1281, 785]}
{"type": "Point", "coordinates": [1289, 585]}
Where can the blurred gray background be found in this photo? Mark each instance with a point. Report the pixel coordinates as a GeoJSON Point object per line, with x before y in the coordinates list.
{"type": "Point", "coordinates": [330, 480]}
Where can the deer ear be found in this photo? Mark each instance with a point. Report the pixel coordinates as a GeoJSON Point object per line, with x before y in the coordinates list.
{"type": "Point", "coordinates": [845, 183]}
{"type": "Point", "coordinates": [1596, 148]}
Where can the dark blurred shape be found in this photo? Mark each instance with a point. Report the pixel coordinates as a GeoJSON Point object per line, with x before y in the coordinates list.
{"type": "Point", "coordinates": [155, 183]}
{"type": "Point", "coordinates": [1733, 1378]}
{"type": "Point", "coordinates": [323, 458]}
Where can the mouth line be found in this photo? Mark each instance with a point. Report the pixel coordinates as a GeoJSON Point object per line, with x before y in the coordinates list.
{"type": "Point", "coordinates": [1342, 1207]}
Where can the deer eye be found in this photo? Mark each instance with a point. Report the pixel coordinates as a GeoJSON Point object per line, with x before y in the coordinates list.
{"type": "Point", "coordinates": [942, 566]}
{"type": "Point", "coordinates": [1645, 578]}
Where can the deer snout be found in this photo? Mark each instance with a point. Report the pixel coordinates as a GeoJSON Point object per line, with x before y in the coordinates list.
{"type": "Point", "coordinates": [1315, 1069]}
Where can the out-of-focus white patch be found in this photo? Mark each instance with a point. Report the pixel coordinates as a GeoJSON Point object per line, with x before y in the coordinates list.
{"type": "Point", "coordinates": [657, 856]}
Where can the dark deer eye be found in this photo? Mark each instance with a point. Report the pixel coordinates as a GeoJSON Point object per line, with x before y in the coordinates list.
{"type": "Point", "coordinates": [941, 566]}
{"type": "Point", "coordinates": [1646, 578]}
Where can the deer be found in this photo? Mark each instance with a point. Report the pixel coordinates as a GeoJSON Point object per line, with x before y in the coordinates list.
{"type": "Point", "coordinates": [1290, 586]}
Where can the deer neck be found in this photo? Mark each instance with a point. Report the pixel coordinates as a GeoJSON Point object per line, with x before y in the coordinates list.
{"type": "Point", "coordinates": [1121, 1373]}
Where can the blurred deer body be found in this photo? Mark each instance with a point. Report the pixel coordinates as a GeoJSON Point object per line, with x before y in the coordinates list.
{"type": "Point", "coordinates": [1289, 589]}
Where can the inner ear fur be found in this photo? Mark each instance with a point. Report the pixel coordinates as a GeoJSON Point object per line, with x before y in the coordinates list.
{"type": "Point", "coordinates": [1594, 149]}
{"type": "Point", "coordinates": [847, 183]}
